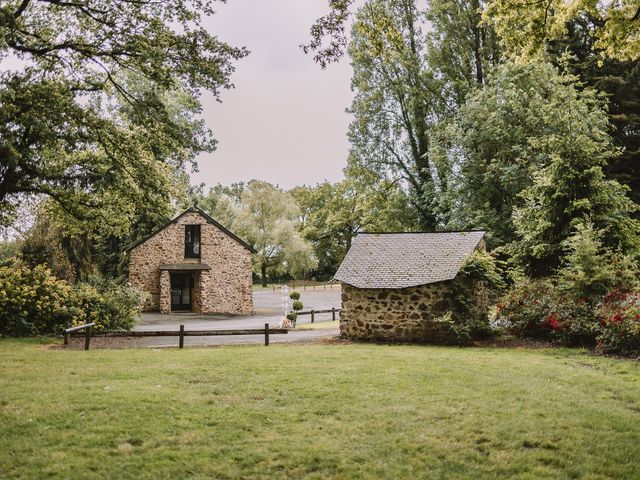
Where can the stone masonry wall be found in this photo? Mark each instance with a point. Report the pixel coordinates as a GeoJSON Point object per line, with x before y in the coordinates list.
{"type": "Point", "coordinates": [226, 288]}
{"type": "Point", "coordinates": [403, 315]}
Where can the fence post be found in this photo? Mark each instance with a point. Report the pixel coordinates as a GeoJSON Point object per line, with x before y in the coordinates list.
{"type": "Point", "coordinates": [333, 313]}
{"type": "Point", "coordinates": [313, 314]}
{"type": "Point", "coordinates": [181, 342]}
{"type": "Point", "coordinates": [266, 334]}
{"type": "Point", "coordinates": [66, 338]}
{"type": "Point", "coordinates": [87, 338]}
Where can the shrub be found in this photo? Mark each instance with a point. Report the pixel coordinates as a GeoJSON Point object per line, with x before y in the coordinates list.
{"type": "Point", "coordinates": [476, 286]}
{"type": "Point", "coordinates": [294, 295]}
{"type": "Point", "coordinates": [529, 309]}
{"type": "Point", "coordinates": [34, 302]}
{"type": "Point", "coordinates": [620, 323]}
{"type": "Point", "coordinates": [112, 306]}
{"type": "Point", "coordinates": [296, 306]}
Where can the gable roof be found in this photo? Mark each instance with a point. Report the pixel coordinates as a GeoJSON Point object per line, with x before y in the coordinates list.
{"type": "Point", "coordinates": [206, 217]}
{"type": "Point", "coordinates": [401, 260]}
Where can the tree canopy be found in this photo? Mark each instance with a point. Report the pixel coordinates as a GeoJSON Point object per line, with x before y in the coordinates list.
{"type": "Point", "coordinates": [526, 27]}
{"type": "Point", "coordinates": [103, 113]}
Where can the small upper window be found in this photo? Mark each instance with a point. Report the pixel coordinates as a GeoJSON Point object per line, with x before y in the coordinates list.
{"type": "Point", "coordinates": [192, 241]}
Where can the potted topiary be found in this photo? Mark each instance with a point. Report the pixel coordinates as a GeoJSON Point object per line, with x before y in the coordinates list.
{"type": "Point", "coordinates": [296, 306]}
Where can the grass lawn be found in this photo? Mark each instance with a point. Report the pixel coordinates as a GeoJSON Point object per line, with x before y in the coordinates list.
{"type": "Point", "coordinates": [317, 411]}
{"type": "Point", "coordinates": [328, 325]}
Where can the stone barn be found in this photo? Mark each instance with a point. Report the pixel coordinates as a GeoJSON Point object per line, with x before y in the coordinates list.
{"type": "Point", "coordinates": [193, 264]}
{"type": "Point", "coordinates": [395, 284]}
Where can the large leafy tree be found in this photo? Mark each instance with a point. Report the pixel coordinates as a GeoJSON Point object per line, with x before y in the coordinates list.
{"type": "Point", "coordinates": [461, 49]}
{"type": "Point", "coordinates": [396, 100]}
{"type": "Point", "coordinates": [525, 27]}
{"type": "Point", "coordinates": [102, 115]}
{"type": "Point", "coordinates": [267, 218]}
{"type": "Point", "coordinates": [619, 81]}
{"type": "Point", "coordinates": [527, 117]}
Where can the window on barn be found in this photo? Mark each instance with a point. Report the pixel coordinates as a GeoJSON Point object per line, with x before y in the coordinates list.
{"type": "Point", "coordinates": [192, 241]}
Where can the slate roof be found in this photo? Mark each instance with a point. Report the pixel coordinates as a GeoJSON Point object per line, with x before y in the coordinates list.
{"type": "Point", "coordinates": [400, 260]}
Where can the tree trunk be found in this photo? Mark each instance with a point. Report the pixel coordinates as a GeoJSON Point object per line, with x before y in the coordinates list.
{"type": "Point", "coordinates": [263, 274]}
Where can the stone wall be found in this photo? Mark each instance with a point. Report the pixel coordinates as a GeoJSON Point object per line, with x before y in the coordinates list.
{"type": "Point", "coordinates": [403, 315]}
{"type": "Point", "coordinates": [226, 288]}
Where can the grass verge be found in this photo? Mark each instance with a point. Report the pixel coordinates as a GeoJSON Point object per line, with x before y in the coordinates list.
{"type": "Point", "coordinates": [328, 325]}
{"type": "Point", "coordinates": [340, 411]}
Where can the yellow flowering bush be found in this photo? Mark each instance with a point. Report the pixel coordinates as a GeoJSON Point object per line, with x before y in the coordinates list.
{"type": "Point", "coordinates": [35, 302]}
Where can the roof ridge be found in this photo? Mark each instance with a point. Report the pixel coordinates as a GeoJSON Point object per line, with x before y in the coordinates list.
{"type": "Point", "coordinates": [422, 232]}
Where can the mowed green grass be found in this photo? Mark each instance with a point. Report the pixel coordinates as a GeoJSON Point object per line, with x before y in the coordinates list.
{"type": "Point", "coordinates": [317, 411]}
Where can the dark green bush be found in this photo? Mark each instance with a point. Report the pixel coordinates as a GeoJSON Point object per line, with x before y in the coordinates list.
{"type": "Point", "coordinates": [294, 295]}
{"type": "Point", "coordinates": [297, 305]}
{"type": "Point", "coordinates": [112, 306]}
{"type": "Point", "coordinates": [469, 295]}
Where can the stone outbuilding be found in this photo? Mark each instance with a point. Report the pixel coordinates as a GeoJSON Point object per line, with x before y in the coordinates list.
{"type": "Point", "coordinates": [193, 264]}
{"type": "Point", "coordinates": [395, 284]}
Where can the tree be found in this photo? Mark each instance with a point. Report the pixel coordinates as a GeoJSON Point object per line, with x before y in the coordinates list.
{"type": "Point", "coordinates": [461, 49]}
{"type": "Point", "coordinates": [570, 190]}
{"type": "Point", "coordinates": [525, 118]}
{"type": "Point", "coordinates": [396, 100]}
{"type": "Point", "coordinates": [333, 214]}
{"type": "Point", "coordinates": [266, 217]}
{"type": "Point", "coordinates": [103, 115]}
{"type": "Point", "coordinates": [619, 81]}
{"type": "Point", "coordinates": [525, 27]}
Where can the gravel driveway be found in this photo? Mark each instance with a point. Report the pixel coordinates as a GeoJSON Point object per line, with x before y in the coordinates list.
{"type": "Point", "coordinates": [267, 310]}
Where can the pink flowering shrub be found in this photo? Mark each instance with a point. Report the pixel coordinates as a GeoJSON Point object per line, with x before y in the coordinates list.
{"type": "Point", "coordinates": [620, 323]}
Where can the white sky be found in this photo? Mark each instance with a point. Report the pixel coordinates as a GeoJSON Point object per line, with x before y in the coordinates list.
{"type": "Point", "coordinates": [285, 121]}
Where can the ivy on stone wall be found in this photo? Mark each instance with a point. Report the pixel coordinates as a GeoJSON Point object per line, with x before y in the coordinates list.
{"type": "Point", "coordinates": [469, 295]}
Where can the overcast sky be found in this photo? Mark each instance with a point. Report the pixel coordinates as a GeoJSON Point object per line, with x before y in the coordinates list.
{"type": "Point", "coordinates": [285, 121]}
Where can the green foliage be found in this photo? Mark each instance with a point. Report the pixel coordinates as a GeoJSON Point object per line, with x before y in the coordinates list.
{"type": "Point", "coordinates": [8, 252]}
{"type": "Point", "coordinates": [570, 189]}
{"type": "Point", "coordinates": [297, 305]}
{"type": "Point", "coordinates": [570, 307]}
{"type": "Point", "coordinates": [589, 271]}
{"type": "Point", "coordinates": [477, 285]}
{"type": "Point", "coordinates": [525, 27]}
{"type": "Point", "coordinates": [539, 309]}
{"type": "Point", "coordinates": [461, 49]}
{"type": "Point", "coordinates": [104, 115]}
{"type": "Point", "coordinates": [332, 214]}
{"type": "Point", "coordinates": [34, 302]}
{"type": "Point", "coordinates": [620, 323]}
{"type": "Point", "coordinates": [294, 295]}
{"type": "Point", "coordinates": [619, 81]}
{"type": "Point", "coordinates": [112, 306]}
{"type": "Point", "coordinates": [267, 218]}
{"type": "Point", "coordinates": [395, 101]}
{"type": "Point", "coordinates": [292, 316]}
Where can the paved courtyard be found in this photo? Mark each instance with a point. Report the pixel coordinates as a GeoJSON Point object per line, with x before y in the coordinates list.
{"type": "Point", "coordinates": [267, 305]}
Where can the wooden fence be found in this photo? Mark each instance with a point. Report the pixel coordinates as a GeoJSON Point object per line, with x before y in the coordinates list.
{"type": "Point", "coordinates": [313, 313]}
{"type": "Point", "coordinates": [266, 331]}
{"type": "Point", "coordinates": [303, 285]}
